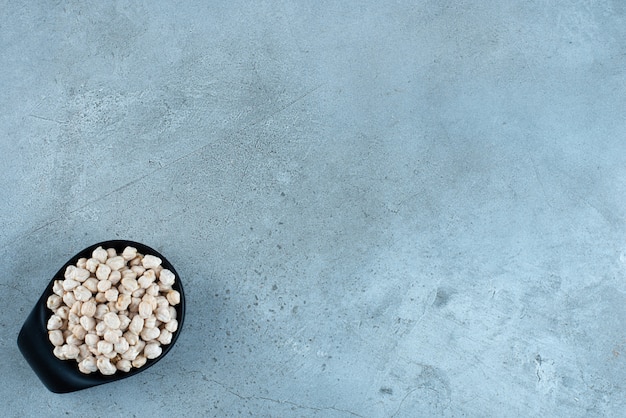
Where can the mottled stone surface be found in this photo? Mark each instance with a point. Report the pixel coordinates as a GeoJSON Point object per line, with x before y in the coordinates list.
{"type": "Point", "coordinates": [378, 209]}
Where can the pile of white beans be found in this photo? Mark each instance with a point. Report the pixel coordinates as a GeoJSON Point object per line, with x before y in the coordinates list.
{"type": "Point", "coordinates": [112, 312]}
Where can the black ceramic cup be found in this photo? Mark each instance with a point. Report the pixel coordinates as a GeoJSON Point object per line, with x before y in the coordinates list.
{"type": "Point", "coordinates": [63, 376]}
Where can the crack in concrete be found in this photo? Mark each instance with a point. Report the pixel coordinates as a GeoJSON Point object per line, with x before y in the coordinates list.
{"type": "Point", "coordinates": [280, 401]}
{"type": "Point", "coordinates": [402, 401]}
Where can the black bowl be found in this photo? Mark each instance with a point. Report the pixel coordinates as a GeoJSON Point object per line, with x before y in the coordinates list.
{"type": "Point", "coordinates": [63, 376]}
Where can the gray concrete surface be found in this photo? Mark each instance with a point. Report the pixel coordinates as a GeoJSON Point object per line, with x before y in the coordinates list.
{"type": "Point", "coordinates": [378, 209]}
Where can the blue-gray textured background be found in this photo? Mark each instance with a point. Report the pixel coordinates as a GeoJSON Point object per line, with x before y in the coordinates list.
{"type": "Point", "coordinates": [378, 209]}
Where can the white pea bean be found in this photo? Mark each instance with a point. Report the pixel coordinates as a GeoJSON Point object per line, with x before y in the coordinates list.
{"type": "Point", "coordinates": [163, 314]}
{"type": "Point", "coordinates": [172, 326]}
{"type": "Point", "coordinates": [92, 264]}
{"type": "Point", "coordinates": [121, 345]}
{"type": "Point", "coordinates": [103, 271]}
{"type": "Point", "coordinates": [59, 352]}
{"type": "Point", "coordinates": [133, 339]}
{"type": "Point", "coordinates": [124, 320]}
{"type": "Point", "coordinates": [73, 340]}
{"type": "Point", "coordinates": [165, 337]}
{"type": "Point", "coordinates": [136, 325]}
{"type": "Point", "coordinates": [150, 322]}
{"type": "Point", "coordinates": [136, 261]}
{"type": "Point", "coordinates": [111, 295]}
{"type": "Point", "coordinates": [123, 290]}
{"type": "Point", "coordinates": [152, 350]}
{"type": "Point", "coordinates": [144, 282]}
{"type": "Point", "coordinates": [129, 274]}
{"type": "Point", "coordinates": [54, 301]}
{"type": "Point", "coordinates": [57, 287]}
{"type": "Point", "coordinates": [111, 320]}
{"type": "Point", "coordinates": [173, 297]}
{"type": "Point", "coordinates": [91, 339]}
{"type": "Point", "coordinates": [139, 270]}
{"type": "Point", "coordinates": [104, 347]}
{"type": "Point", "coordinates": [162, 302]}
{"type": "Point", "coordinates": [148, 334]}
{"type": "Point", "coordinates": [145, 309]}
{"type": "Point", "coordinates": [101, 309]}
{"type": "Point", "coordinates": [104, 285]}
{"type": "Point", "coordinates": [164, 288]}
{"type": "Point", "coordinates": [71, 351]}
{"type": "Point", "coordinates": [81, 274]}
{"type": "Point", "coordinates": [54, 322]}
{"type": "Point", "coordinates": [69, 272]}
{"type": "Point", "coordinates": [75, 309]}
{"type": "Point", "coordinates": [105, 366]}
{"type": "Point", "coordinates": [81, 293]}
{"type": "Point", "coordinates": [88, 365]}
{"type": "Point", "coordinates": [129, 253]}
{"type": "Point", "coordinates": [100, 254]}
{"type": "Point", "coordinates": [131, 354]}
{"type": "Point", "coordinates": [149, 261]}
{"type": "Point", "coordinates": [116, 263]}
{"type": "Point", "coordinates": [112, 335]}
{"type": "Point", "coordinates": [153, 289]}
{"type": "Point", "coordinates": [139, 293]}
{"type": "Point", "coordinates": [56, 337]}
{"type": "Point", "coordinates": [115, 277]}
{"type": "Point", "coordinates": [101, 327]}
{"type": "Point", "coordinates": [83, 352]}
{"type": "Point", "coordinates": [68, 298]}
{"type": "Point", "coordinates": [70, 284]}
{"type": "Point", "coordinates": [167, 278]}
{"type": "Point", "coordinates": [139, 361]}
{"type": "Point", "coordinates": [151, 300]}
{"type": "Point", "coordinates": [87, 322]}
{"type": "Point", "coordinates": [123, 301]}
{"type": "Point", "coordinates": [173, 312]}
{"type": "Point", "coordinates": [134, 305]}
{"type": "Point", "coordinates": [91, 284]}
{"type": "Point", "coordinates": [88, 308]}
{"type": "Point", "coordinates": [150, 275]}
{"type": "Point", "coordinates": [79, 332]}
{"type": "Point", "coordinates": [63, 312]}
{"type": "Point", "coordinates": [123, 365]}
{"type": "Point", "coordinates": [130, 283]}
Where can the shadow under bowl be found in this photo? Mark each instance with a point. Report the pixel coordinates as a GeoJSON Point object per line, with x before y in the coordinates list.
{"type": "Point", "coordinates": [63, 376]}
